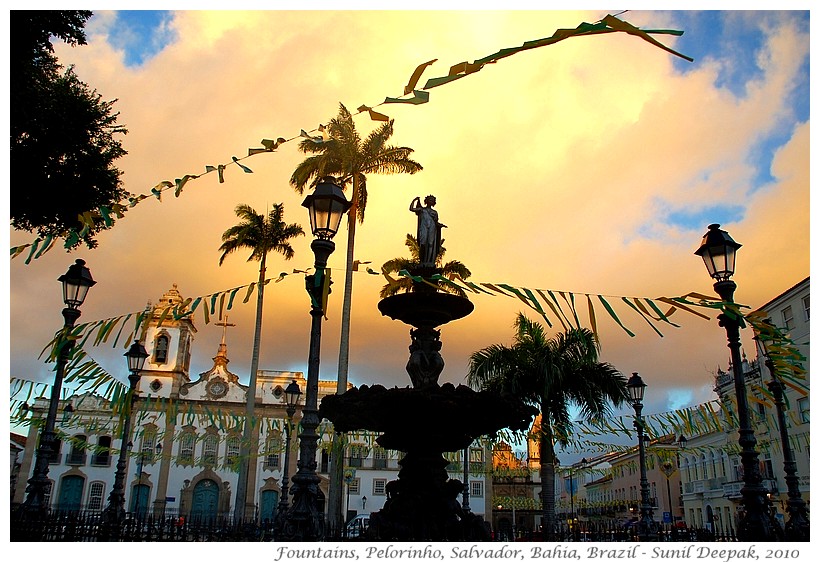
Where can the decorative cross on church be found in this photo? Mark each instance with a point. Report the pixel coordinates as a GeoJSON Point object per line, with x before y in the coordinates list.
{"type": "Point", "coordinates": [225, 325]}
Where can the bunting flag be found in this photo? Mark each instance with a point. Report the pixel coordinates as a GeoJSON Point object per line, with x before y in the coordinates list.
{"type": "Point", "coordinates": [609, 24]}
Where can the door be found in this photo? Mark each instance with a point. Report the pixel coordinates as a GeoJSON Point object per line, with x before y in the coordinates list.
{"type": "Point", "coordinates": [270, 502]}
{"type": "Point", "coordinates": [71, 493]}
{"type": "Point", "coordinates": [205, 500]}
{"type": "Point", "coordinates": [140, 494]}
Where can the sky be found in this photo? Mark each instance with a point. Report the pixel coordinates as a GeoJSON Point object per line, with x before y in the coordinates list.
{"type": "Point", "coordinates": [591, 166]}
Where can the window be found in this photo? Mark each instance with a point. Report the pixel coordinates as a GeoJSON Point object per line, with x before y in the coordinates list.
{"type": "Point", "coordinates": [95, 496]}
{"type": "Point", "coordinates": [476, 488]}
{"type": "Point", "coordinates": [476, 459]}
{"type": "Point", "coordinates": [803, 409]}
{"type": "Point", "coordinates": [379, 457]}
{"type": "Point", "coordinates": [149, 439]}
{"type": "Point", "coordinates": [77, 454]}
{"type": "Point", "coordinates": [272, 461]}
{"type": "Point", "coordinates": [379, 485]}
{"type": "Point", "coordinates": [161, 349]}
{"type": "Point", "coordinates": [232, 451]}
{"type": "Point", "coordinates": [185, 457]}
{"type": "Point", "coordinates": [102, 456]}
{"type": "Point", "coordinates": [273, 451]}
{"type": "Point", "coordinates": [788, 318]}
{"type": "Point", "coordinates": [325, 461]}
{"type": "Point", "coordinates": [737, 469]}
{"type": "Point", "coordinates": [476, 455]}
{"type": "Point", "coordinates": [354, 486]}
{"type": "Point", "coordinates": [209, 447]}
{"type": "Point", "coordinates": [357, 452]}
{"type": "Point", "coordinates": [761, 410]}
{"type": "Point", "coordinates": [806, 308]}
{"type": "Point", "coordinates": [454, 464]}
{"type": "Point", "coordinates": [766, 466]}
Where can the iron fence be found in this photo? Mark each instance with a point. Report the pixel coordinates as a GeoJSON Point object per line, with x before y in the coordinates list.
{"type": "Point", "coordinates": [89, 526]}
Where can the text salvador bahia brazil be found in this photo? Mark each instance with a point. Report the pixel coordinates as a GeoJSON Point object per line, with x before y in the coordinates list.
{"type": "Point", "coordinates": [553, 551]}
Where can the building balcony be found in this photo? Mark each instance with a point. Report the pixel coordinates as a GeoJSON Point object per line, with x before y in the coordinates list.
{"type": "Point", "coordinates": [731, 490]}
{"type": "Point", "coordinates": [75, 459]}
{"type": "Point", "coordinates": [703, 486]}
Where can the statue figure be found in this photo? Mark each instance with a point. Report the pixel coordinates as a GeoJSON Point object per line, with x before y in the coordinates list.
{"type": "Point", "coordinates": [429, 230]}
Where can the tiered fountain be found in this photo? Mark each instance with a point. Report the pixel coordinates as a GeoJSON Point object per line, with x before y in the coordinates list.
{"type": "Point", "coordinates": [428, 419]}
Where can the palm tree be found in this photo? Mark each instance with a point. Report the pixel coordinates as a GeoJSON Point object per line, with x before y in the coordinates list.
{"type": "Point", "coordinates": [349, 158]}
{"type": "Point", "coordinates": [552, 374]}
{"type": "Point", "coordinates": [406, 284]}
{"type": "Point", "coordinates": [261, 235]}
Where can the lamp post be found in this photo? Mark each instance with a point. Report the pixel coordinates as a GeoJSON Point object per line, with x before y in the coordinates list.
{"type": "Point", "coordinates": [718, 252]}
{"type": "Point", "coordinates": [636, 388]}
{"type": "Point", "coordinates": [583, 463]}
{"type": "Point", "coordinates": [797, 527]}
{"type": "Point", "coordinates": [292, 395]}
{"type": "Point", "coordinates": [571, 497]}
{"type": "Point", "coordinates": [140, 463]}
{"type": "Point", "coordinates": [465, 493]}
{"type": "Point", "coordinates": [76, 282]}
{"type": "Point", "coordinates": [304, 520]}
{"type": "Point", "coordinates": [115, 511]}
{"type": "Point", "coordinates": [668, 470]}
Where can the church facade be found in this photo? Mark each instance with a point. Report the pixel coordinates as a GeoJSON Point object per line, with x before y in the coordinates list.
{"type": "Point", "coordinates": [186, 440]}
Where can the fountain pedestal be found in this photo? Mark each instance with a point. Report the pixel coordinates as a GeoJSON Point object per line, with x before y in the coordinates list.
{"type": "Point", "coordinates": [424, 422]}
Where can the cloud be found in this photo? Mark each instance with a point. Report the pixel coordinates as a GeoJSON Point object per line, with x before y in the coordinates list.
{"type": "Point", "coordinates": [555, 168]}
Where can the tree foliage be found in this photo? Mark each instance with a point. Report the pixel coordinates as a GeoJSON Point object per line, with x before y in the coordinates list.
{"type": "Point", "coordinates": [63, 135]}
{"type": "Point", "coordinates": [406, 284]}
{"type": "Point", "coordinates": [552, 374]}
{"type": "Point", "coordinates": [345, 155]}
{"type": "Point", "coordinates": [261, 235]}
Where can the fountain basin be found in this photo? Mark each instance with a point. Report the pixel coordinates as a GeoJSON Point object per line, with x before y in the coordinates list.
{"type": "Point", "coordinates": [445, 418]}
{"type": "Point", "coordinates": [425, 309]}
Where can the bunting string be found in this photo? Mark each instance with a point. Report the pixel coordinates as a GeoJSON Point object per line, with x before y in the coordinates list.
{"type": "Point", "coordinates": [106, 214]}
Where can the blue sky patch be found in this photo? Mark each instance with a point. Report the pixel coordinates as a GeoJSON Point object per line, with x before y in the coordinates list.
{"type": "Point", "coordinates": [701, 218]}
{"type": "Point", "coordinates": [706, 38]}
{"type": "Point", "coordinates": [141, 34]}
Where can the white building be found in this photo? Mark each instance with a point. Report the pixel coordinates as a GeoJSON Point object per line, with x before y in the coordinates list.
{"type": "Point", "coordinates": [186, 435]}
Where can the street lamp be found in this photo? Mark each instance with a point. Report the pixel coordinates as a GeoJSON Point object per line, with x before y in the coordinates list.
{"type": "Point", "coordinates": [292, 395]}
{"type": "Point", "coordinates": [718, 252]}
{"type": "Point", "coordinates": [636, 388]}
{"type": "Point", "coordinates": [465, 492]}
{"type": "Point", "coordinates": [138, 503]}
{"type": "Point", "coordinates": [668, 470]}
{"type": "Point", "coordinates": [75, 282]}
{"type": "Point", "coordinates": [115, 512]}
{"type": "Point", "coordinates": [304, 520]}
{"type": "Point", "coordinates": [797, 527]}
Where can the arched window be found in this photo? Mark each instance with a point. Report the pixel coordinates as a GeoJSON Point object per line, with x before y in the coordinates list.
{"type": "Point", "coordinates": [186, 448]}
{"type": "Point", "coordinates": [56, 452]}
{"type": "Point", "coordinates": [232, 452]}
{"type": "Point", "coordinates": [273, 448]}
{"type": "Point", "coordinates": [209, 448]}
{"type": "Point", "coordinates": [161, 348]}
{"type": "Point", "coordinates": [102, 456]}
{"type": "Point", "coordinates": [95, 496]}
{"type": "Point", "coordinates": [148, 449]}
{"type": "Point", "coordinates": [77, 454]}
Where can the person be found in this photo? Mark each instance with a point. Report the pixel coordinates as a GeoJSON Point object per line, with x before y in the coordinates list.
{"type": "Point", "coordinates": [428, 231]}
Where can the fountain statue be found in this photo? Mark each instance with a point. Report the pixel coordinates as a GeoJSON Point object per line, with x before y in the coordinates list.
{"type": "Point", "coordinates": [429, 419]}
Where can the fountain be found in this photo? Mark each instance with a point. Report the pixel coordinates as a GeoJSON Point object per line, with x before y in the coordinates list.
{"type": "Point", "coordinates": [428, 419]}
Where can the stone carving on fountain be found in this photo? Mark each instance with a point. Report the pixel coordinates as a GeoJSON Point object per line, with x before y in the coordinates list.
{"type": "Point", "coordinates": [426, 420]}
